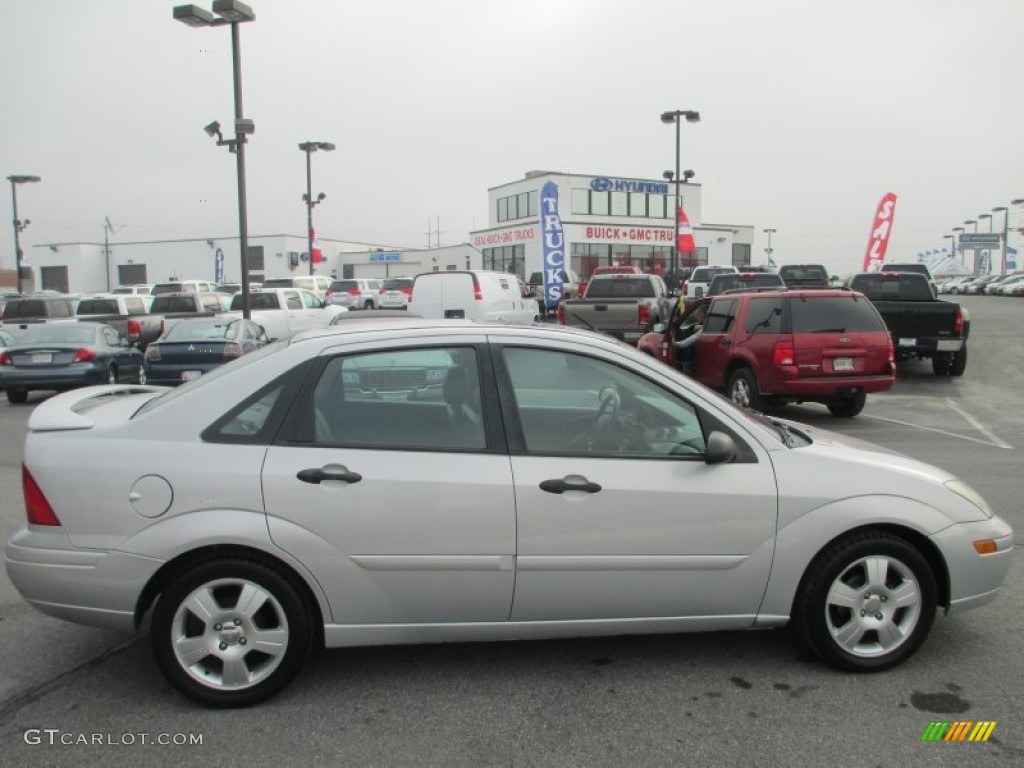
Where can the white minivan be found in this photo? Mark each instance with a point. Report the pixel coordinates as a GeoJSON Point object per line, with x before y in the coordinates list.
{"type": "Point", "coordinates": [494, 297]}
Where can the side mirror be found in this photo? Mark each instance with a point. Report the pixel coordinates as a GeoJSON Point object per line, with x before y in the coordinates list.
{"type": "Point", "coordinates": [721, 449]}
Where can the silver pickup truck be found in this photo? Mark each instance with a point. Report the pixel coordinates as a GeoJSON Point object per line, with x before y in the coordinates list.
{"type": "Point", "coordinates": [623, 306]}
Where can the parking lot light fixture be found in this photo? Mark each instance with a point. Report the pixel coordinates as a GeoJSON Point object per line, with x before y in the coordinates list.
{"type": "Point", "coordinates": [19, 225]}
{"type": "Point", "coordinates": [233, 13]}
{"type": "Point", "coordinates": [673, 116]}
{"type": "Point", "coordinates": [986, 216]}
{"type": "Point", "coordinates": [309, 147]}
{"type": "Point", "coordinates": [1006, 231]}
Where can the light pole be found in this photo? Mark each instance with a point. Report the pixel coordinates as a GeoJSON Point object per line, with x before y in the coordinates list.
{"type": "Point", "coordinates": [691, 116]}
{"type": "Point", "coordinates": [770, 231]}
{"type": "Point", "coordinates": [1006, 224]}
{"type": "Point", "coordinates": [952, 242]}
{"type": "Point", "coordinates": [986, 216]}
{"type": "Point", "coordinates": [19, 225]}
{"type": "Point", "coordinates": [231, 12]}
{"type": "Point", "coordinates": [309, 147]}
{"type": "Point", "coordinates": [957, 232]}
{"type": "Point", "coordinates": [972, 221]}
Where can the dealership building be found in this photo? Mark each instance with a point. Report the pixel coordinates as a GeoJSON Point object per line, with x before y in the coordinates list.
{"type": "Point", "coordinates": [603, 221]}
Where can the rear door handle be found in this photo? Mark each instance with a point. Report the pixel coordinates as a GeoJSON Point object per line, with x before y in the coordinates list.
{"type": "Point", "coordinates": [561, 486]}
{"type": "Point", "coordinates": [316, 476]}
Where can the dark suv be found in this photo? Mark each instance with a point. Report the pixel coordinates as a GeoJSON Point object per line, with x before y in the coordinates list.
{"type": "Point", "coordinates": [763, 349]}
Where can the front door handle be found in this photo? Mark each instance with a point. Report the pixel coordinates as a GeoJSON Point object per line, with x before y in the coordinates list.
{"type": "Point", "coordinates": [316, 476]}
{"type": "Point", "coordinates": [726, 342]}
{"type": "Point", "coordinates": [561, 486]}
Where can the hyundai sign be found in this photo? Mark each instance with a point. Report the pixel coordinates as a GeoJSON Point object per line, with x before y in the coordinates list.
{"type": "Point", "coordinates": [604, 184]}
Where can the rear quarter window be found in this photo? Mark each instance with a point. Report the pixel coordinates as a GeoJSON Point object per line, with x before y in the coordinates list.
{"type": "Point", "coordinates": [834, 314]}
{"type": "Point", "coordinates": [765, 315]}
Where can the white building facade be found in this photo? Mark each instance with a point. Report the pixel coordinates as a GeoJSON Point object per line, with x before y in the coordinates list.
{"type": "Point", "coordinates": [604, 221]}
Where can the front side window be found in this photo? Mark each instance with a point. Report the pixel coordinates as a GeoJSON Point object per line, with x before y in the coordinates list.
{"type": "Point", "coordinates": [572, 404]}
{"type": "Point", "coordinates": [401, 399]}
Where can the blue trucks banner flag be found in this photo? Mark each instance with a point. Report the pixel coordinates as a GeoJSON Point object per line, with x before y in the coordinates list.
{"type": "Point", "coordinates": [218, 266]}
{"type": "Point", "coordinates": [554, 245]}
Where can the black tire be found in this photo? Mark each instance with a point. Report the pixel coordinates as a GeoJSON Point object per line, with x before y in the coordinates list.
{"type": "Point", "coordinates": [743, 390]}
{"type": "Point", "coordinates": [112, 375]}
{"type": "Point", "coordinates": [848, 406]}
{"type": "Point", "coordinates": [368, 305]}
{"type": "Point", "coordinates": [959, 364]}
{"type": "Point", "coordinates": [17, 396]}
{"type": "Point", "coordinates": [851, 630]}
{"type": "Point", "coordinates": [282, 614]}
{"type": "Point", "coordinates": [141, 379]}
{"type": "Point", "coordinates": [941, 363]}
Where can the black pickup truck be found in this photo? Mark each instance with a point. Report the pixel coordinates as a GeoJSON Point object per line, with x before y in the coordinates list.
{"type": "Point", "coordinates": [921, 325]}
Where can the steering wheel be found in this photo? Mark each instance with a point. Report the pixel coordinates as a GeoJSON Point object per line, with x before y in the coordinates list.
{"type": "Point", "coordinates": [606, 416]}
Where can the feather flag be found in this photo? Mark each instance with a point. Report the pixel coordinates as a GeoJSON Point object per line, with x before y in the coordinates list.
{"type": "Point", "coordinates": [684, 233]}
{"type": "Point", "coordinates": [880, 231]}
{"type": "Point", "coordinates": [317, 255]}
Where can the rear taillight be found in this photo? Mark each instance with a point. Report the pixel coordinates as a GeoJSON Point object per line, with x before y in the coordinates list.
{"type": "Point", "coordinates": [37, 508]}
{"type": "Point", "coordinates": [478, 293]}
{"type": "Point", "coordinates": [232, 350]}
{"type": "Point", "coordinates": [407, 291]}
{"type": "Point", "coordinates": [958, 323]}
{"type": "Point", "coordinates": [891, 350]}
{"type": "Point", "coordinates": [783, 353]}
{"type": "Point", "coordinates": [644, 315]}
{"type": "Point", "coordinates": [133, 329]}
{"type": "Point", "coordinates": [153, 353]}
{"type": "Point", "coordinates": [84, 355]}
{"type": "Point", "coordinates": [560, 315]}
{"type": "Point", "coordinates": [383, 290]}
{"type": "Point", "coordinates": [5, 358]}
{"type": "Point", "coordinates": [353, 292]}
{"type": "Point", "coordinates": [328, 293]}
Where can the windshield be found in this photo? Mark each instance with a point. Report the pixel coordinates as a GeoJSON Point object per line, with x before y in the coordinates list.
{"type": "Point", "coordinates": [192, 331]}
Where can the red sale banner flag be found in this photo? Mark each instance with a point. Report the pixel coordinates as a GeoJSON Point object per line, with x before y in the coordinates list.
{"type": "Point", "coordinates": [684, 233]}
{"type": "Point", "coordinates": [880, 231]}
{"type": "Point", "coordinates": [317, 255]}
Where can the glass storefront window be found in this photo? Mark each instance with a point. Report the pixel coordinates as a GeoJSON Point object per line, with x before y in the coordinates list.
{"type": "Point", "coordinates": [599, 203]}
{"type": "Point", "coordinates": [620, 204]}
{"type": "Point", "coordinates": [531, 205]}
{"type": "Point", "coordinates": [502, 209]}
{"type": "Point", "coordinates": [656, 206]}
{"type": "Point", "coordinates": [581, 201]}
{"type": "Point", "coordinates": [637, 204]}
{"type": "Point", "coordinates": [522, 205]}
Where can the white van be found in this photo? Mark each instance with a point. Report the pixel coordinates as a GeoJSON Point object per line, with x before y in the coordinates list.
{"type": "Point", "coordinates": [491, 297]}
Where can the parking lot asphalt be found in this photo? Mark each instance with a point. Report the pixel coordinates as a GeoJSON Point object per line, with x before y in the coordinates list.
{"type": "Point", "coordinates": [754, 698]}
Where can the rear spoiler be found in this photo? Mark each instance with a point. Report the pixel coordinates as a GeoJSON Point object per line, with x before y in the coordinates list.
{"type": "Point", "coordinates": [67, 410]}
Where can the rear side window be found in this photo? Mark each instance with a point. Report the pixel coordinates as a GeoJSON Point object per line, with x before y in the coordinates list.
{"type": "Point", "coordinates": [834, 314]}
{"type": "Point", "coordinates": [720, 317]}
{"type": "Point", "coordinates": [765, 315]}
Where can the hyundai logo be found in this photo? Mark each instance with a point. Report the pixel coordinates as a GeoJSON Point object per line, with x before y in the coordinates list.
{"type": "Point", "coordinates": [601, 184]}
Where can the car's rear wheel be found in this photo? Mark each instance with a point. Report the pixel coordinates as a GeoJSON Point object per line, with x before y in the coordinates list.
{"type": "Point", "coordinates": [743, 390]}
{"type": "Point", "coordinates": [847, 406]}
{"type": "Point", "coordinates": [112, 375]}
{"type": "Point", "coordinates": [230, 633]}
{"type": "Point", "coordinates": [867, 603]}
{"type": "Point", "coordinates": [17, 396]}
{"type": "Point", "coordinates": [142, 374]}
{"type": "Point", "coordinates": [959, 364]}
{"type": "Point", "coordinates": [368, 305]}
{"type": "Point", "coordinates": [941, 363]}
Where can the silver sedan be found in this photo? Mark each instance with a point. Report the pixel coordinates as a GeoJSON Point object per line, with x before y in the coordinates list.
{"type": "Point", "coordinates": [431, 481]}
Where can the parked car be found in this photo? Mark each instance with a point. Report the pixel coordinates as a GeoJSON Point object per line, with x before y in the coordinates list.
{"type": "Point", "coordinates": [623, 306]}
{"type": "Point", "coordinates": [128, 314]}
{"type": "Point", "coordinates": [570, 286]}
{"type": "Point", "coordinates": [804, 276]}
{"type": "Point", "coordinates": [608, 269]}
{"type": "Point", "coordinates": [184, 286]}
{"type": "Point", "coordinates": [696, 285]}
{"type": "Point", "coordinates": [395, 293]}
{"type": "Point", "coordinates": [478, 295]}
{"type": "Point", "coordinates": [922, 326]}
{"type": "Point", "coordinates": [191, 348]}
{"type": "Point", "coordinates": [62, 356]}
{"type": "Point", "coordinates": [318, 284]}
{"type": "Point", "coordinates": [543, 482]}
{"type": "Point", "coordinates": [361, 293]}
{"type": "Point", "coordinates": [745, 281]}
{"type": "Point", "coordinates": [994, 288]}
{"type": "Point", "coordinates": [284, 311]}
{"type": "Point", "coordinates": [767, 349]}
{"type": "Point", "coordinates": [134, 290]}
{"type": "Point", "coordinates": [1006, 288]}
{"type": "Point", "coordinates": [7, 339]}
{"type": "Point", "coordinates": [26, 311]}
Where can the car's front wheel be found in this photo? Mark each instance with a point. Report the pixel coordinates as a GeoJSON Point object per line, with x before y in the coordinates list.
{"type": "Point", "coordinates": [231, 633]}
{"type": "Point", "coordinates": [867, 602]}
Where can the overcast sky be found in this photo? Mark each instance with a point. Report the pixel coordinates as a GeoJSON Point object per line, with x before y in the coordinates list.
{"type": "Point", "coordinates": [811, 112]}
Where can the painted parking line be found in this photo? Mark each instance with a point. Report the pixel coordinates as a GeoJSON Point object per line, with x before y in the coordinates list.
{"type": "Point", "coordinates": [992, 438]}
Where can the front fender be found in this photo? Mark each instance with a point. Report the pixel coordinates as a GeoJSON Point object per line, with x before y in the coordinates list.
{"type": "Point", "coordinates": [799, 542]}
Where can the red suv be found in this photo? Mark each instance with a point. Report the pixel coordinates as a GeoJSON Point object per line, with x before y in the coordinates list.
{"type": "Point", "coordinates": [763, 349]}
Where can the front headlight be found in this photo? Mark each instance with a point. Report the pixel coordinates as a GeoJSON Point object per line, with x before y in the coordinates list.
{"type": "Point", "coordinates": [964, 491]}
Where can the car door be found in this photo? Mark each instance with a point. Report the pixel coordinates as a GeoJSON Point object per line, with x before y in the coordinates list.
{"type": "Point", "coordinates": [715, 343]}
{"type": "Point", "coordinates": [618, 514]}
{"type": "Point", "coordinates": [295, 311]}
{"type": "Point", "coordinates": [395, 496]}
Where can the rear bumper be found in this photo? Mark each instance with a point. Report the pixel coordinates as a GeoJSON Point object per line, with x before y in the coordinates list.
{"type": "Point", "coordinates": [74, 375]}
{"type": "Point", "coordinates": [169, 374]}
{"type": "Point", "coordinates": [924, 347]}
{"type": "Point", "coordinates": [91, 587]}
{"type": "Point", "coordinates": [827, 388]}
